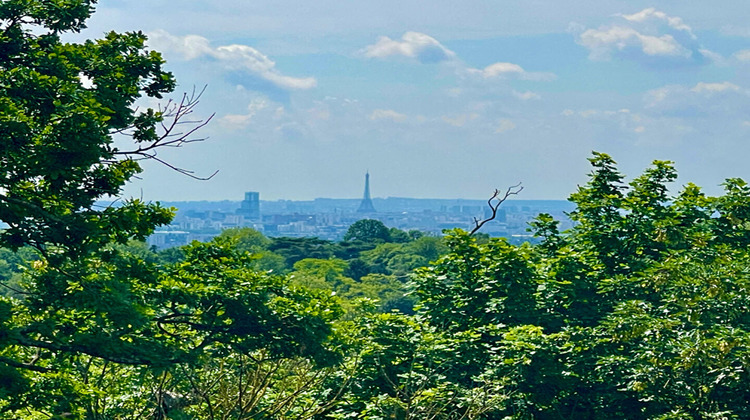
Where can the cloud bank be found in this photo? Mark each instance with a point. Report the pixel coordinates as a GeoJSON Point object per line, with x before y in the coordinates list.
{"type": "Point", "coordinates": [388, 115]}
{"type": "Point", "coordinates": [235, 57]}
{"type": "Point", "coordinates": [649, 36]}
{"type": "Point", "coordinates": [427, 50]}
{"type": "Point", "coordinates": [651, 13]}
{"type": "Point", "coordinates": [416, 45]}
{"type": "Point", "coordinates": [510, 70]}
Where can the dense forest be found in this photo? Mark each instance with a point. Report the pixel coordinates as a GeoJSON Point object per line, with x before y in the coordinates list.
{"type": "Point", "coordinates": [641, 310]}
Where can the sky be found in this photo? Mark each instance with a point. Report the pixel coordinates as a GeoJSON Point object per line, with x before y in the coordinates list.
{"type": "Point", "coordinates": [445, 99]}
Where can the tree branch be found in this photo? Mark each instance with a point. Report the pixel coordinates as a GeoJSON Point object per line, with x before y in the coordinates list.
{"type": "Point", "coordinates": [27, 366]}
{"type": "Point", "coordinates": [174, 116]}
{"type": "Point", "coordinates": [131, 359]}
{"type": "Point", "coordinates": [512, 190]}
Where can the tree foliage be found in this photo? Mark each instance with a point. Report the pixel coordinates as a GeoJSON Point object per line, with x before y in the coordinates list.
{"type": "Point", "coordinates": [61, 105]}
{"type": "Point", "coordinates": [637, 311]}
{"type": "Point", "coordinates": [96, 327]}
{"type": "Point", "coordinates": [369, 230]}
{"type": "Point", "coordinates": [640, 310]}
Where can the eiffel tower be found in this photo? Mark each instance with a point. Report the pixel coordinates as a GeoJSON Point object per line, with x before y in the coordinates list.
{"type": "Point", "coordinates": [366, 205]}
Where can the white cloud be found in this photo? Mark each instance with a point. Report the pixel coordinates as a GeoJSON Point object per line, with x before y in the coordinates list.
{"type": "Point", "coordinates": [588, 113]}
{"type": "Point", "coordinates": [427, 49]}
{"type": "Point", "coordinates": [415, 45]}
{"type": "Point", "coordinates": [387, 114]}
{"type": "Point", "coordinates": [718, 101]}
{"type": "Point", "coordinates": [677, 93]}
{"type": "Point", "coordinates": [243, 57]}
{"type": "Point", "coordinates": [238, 121]}
{"type": "Point", "coordinates": [575, 28]}
{"type": "Point", "coordinates": [702, 87]}
{"type": "Point", "coordinates": [454, 92]}
{"type": "Point", "coordinates": [622, 119]}
{"type": "Point", "coordinates": [189, 47]}
{"type": "Point", "coordinates": [504, 125]}
{"type": "Point", "coordinates": [498, 69]}
{"type": "Point", "coordinates": [652, 13]}
{"type": "Point", "coordinates": [713, 56]}
{"type": "Point", "coordinates": [86, 82]}
{"type": "Point", "coordinates": [598, 113]}
{"type": "Point", "coordinates": [319, 113]}
{"type": "Point", "coordinates": [526, 96]}
{"type": "Point", "coordinates": [604, 41]}
{"type": "Point", "coordinates": [656, 96]}
{"type": "Point", "coordinates": [742, 55]}
{"type": "Point", "coordinates": [649, 36]}
{"type": "Point", "coordinates": [460, 120]}
{"type": "Point", "coordinates": [510, 70]}
{"type": "Point", "coordinates": [231, 57]}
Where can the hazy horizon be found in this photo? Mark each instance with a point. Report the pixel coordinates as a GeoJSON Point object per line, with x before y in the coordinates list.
{"type": "Point", "coordinates": [484, 200]}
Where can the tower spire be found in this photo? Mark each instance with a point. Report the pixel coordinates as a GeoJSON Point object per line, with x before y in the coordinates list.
{"type": "Point", "coordinates": [366, 205]}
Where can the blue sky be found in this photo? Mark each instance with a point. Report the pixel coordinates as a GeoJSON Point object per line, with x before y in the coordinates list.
{"type": "Point", "coordinates": [446, 99]}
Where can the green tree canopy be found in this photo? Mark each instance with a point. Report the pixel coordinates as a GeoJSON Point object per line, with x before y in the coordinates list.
{"type": "Point", "coordinates": [368, 230]}
{"type": "Point", "coordinates": [93, 305]}
{"type": "Point", "coordinates": [295, 249]}
{"type": "Point", "coordinates": [640, 310]}
{"type": "Point", "coordinates": [635, 312]}
{"type": "Point", "coordinates": [61, 107]}
{"type": "Point", "coordinates": [246, 239]}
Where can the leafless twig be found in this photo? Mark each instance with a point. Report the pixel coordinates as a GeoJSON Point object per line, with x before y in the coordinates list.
{"type": "Point", "coordinates": [177, 129]}
{"type": "Point", "coordinates": [512, 190]}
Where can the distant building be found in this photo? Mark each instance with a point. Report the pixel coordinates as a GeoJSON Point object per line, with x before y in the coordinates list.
{"type": "Point", "coordinates": [250, 206]}
{"type": "Point", "coordinates": [366, 205]}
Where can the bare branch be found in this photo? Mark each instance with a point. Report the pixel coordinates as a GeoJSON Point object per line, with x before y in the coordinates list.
{"type": "Point", "coordinates": [182, 171]}
{"type": "Point", "coordinates": [512, 190]}
{"type": "Point", "coordinates": [177, 129]}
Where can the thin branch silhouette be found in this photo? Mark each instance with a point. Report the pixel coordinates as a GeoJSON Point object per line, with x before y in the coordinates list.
{"type": "Point", "coordinates": [512, 190]}
{"type": "Point", "coordinates": [177, 130]}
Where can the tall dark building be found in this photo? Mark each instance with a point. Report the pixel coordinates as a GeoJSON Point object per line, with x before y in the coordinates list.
{"type": "Point", "coordinates": [366, 205]}
{"type": "Point", "coordinates": [250, 206]}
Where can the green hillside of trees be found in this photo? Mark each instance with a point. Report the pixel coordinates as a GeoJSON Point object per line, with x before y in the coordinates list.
{"type": "Point", "coordinates": [640, 311]}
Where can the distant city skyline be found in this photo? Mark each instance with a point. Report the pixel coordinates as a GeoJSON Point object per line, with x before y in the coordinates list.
{"type": "Point", "coordinates": [446, 99]}
{"type": "Point", "coordinates": [328, 218]}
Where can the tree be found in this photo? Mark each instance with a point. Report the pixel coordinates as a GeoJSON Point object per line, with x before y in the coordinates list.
{"type": "Point", "coordinates": [296, 249]}
{"type": "Point", "coordinates": [399, 236]}
{"type": "Point", "coordinates": [321, 274]}
{"type": "Point", "coordinates": [246, 326]}
{"type": "Point", "coordinates": [635, 312]}
{"type": "Point", "coordinates": [639, 310]}
{"type": "Point", "coordinates": [94, 320]}
{"type": "Point", "coordinates": [368, 230]}
{"type": "Point", "coordinates": [12, 267]}
{"type": "Point", "coordinates": [61, 107]}
{"type": "Point", "coordinates": [215, 331]}
{"type": "Point", "coordinates": [477, 284]}
{"type": "Point", "coordinates": [246, 239]}
{"type": "Point", "coordinates": [250, 240]}
{"type": "Point", "coordinates": [406, 369]}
